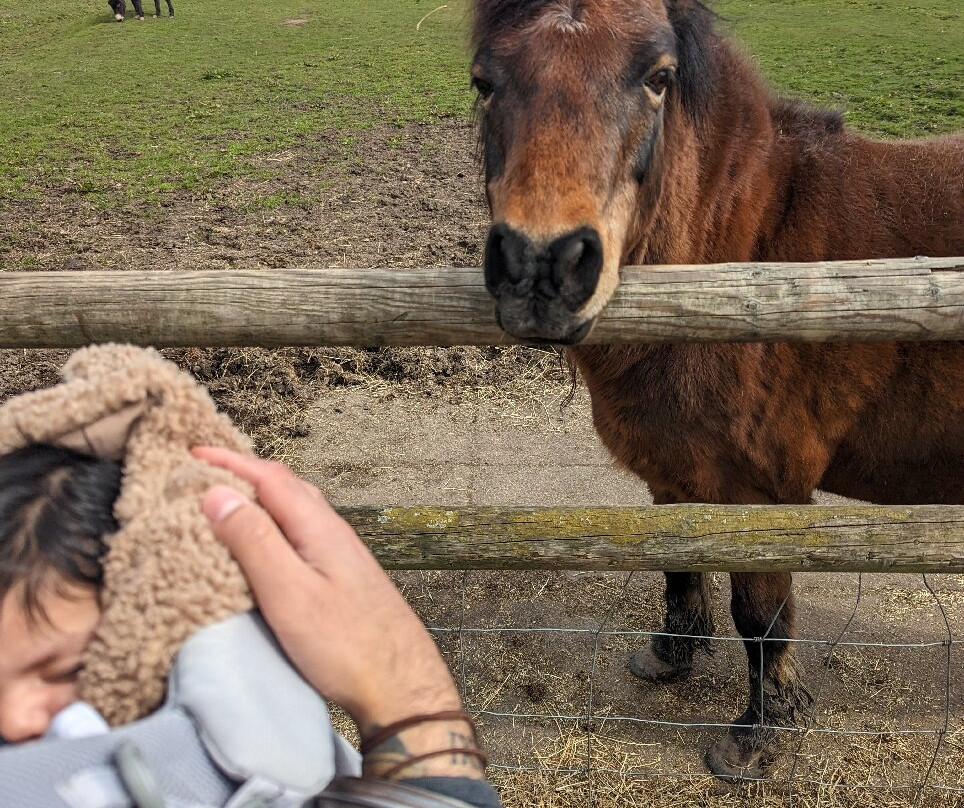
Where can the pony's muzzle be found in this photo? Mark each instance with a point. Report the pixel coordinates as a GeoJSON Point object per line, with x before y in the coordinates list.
{"type": "Point", "coordinates": [539, 288]}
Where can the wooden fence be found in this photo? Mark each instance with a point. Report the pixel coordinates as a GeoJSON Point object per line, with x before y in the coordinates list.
{"type": "Point", "coordinates": [906, 299]}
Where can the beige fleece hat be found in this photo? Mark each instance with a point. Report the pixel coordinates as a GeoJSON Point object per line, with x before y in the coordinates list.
{"type": "Point", "coordinates": [165, 573]}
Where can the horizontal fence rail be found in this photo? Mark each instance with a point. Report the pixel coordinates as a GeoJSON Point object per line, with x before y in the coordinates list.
{"type": "Point", "coordinates": [731, 538]}
{"type": "Point", "coordinates": [901, 299]}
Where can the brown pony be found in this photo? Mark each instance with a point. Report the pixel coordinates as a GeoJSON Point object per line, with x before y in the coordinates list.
{"type": "Point", "coordinates": [629, 132]}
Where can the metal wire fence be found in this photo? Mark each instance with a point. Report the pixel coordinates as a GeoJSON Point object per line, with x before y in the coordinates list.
{"type": "Point", "coordinates": [593, 721]}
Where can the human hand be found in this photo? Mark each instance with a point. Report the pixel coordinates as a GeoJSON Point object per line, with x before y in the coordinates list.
{"type": "Point", "coordinates": [336, 613]}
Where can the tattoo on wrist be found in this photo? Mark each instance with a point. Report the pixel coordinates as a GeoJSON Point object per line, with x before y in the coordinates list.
{"type": "Point", "coordinates": [459, 740]}
{"type": "Point", "coordinates": [451, 753]}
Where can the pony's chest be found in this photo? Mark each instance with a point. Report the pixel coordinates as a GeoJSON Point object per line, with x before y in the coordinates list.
{"type": "Point", "coordinates": [655, 413]}
{"type": "Point", "coordinates": [687, 418]}
{"type": "Point", "coordinates": [650, 423]}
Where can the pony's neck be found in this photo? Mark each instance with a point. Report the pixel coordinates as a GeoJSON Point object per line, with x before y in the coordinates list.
{"type": "Point", "coordinates": [752, 177]}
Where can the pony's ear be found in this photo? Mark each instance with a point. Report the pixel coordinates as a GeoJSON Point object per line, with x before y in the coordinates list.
{"type": "Point", "coordinates": [693, 25]}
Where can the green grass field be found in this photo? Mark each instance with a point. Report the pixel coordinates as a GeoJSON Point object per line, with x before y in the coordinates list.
{"type": "Point", "coordinates": [141, 109]}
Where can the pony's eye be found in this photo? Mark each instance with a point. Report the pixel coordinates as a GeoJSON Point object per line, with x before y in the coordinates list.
{"type": "Point", "coordinates": [482, 87]}
{"type": "Point", "coordinates": [659, 81]}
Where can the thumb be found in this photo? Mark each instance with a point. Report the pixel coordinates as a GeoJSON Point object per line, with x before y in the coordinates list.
{"type": "Point", "coordinates": [269, 562]}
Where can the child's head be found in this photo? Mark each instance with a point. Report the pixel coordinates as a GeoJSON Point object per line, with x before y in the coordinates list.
{"type": "Point", "coordinates": [56, 508]}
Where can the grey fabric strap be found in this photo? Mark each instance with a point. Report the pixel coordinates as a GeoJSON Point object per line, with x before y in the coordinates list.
{"type": "Point", "coordinates": [352, 792]}
{"type": "Point", "coordinates": [82, 772]}
{"type": "Point", "coordinates": [477, 793]}
{"type": "Point", "coordinates": [96, 787]}
{"type": "Point", "coordinates": [256, 715]}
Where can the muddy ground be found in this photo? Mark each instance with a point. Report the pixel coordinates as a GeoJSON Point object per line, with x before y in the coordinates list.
{"type": "Point", "coordinates": [497, 426]}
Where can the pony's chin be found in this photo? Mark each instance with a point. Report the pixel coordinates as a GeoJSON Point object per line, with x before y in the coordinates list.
{"type": "Point", "coordinates": [577, 335]}
{"type": "Point", "coordinates": [538, 334]}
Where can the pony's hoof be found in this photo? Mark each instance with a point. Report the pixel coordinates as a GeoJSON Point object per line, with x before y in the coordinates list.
{"type": "Point", "coordinates": [646, 665]}
{"type": "Point", "coordinates": [733, 761]}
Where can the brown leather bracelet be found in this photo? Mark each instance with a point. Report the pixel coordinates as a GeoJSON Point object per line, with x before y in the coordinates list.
{"type": "Point", "coordinates": [455, 750]}
{"type": "Point", "coordinates": [373, 741]}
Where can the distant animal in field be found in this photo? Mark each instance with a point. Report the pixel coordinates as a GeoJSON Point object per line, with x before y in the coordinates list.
{"type": "Point", "coordinates": [625, 132]}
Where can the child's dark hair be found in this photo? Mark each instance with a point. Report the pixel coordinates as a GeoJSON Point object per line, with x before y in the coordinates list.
{"type": "Point", "coordinates": [56, 509]}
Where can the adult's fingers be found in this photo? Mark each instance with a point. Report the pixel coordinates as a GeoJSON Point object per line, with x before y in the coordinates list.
{"type": "Point", "coordinates": [247, 467]}
{"type": "Point", "coordinates": [297, 507]}
{"type": "Point", "coordinates": [272, 566]}
{"type": "Point", "coordinates": [253, 469]}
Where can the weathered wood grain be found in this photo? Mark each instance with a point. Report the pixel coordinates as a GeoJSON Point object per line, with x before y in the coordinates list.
{"type": "Point", "coordinates": [920, 538]}
{"type": "Point", "coordinates": [906, 299]}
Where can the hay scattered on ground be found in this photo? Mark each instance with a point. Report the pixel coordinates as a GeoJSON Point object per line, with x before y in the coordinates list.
{"type": "Point", "coordinates": [565, 761]}
{"type": "Point", "coordinates": [267, 392]}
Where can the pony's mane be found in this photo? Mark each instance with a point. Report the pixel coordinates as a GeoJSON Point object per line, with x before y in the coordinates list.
{"type": "Point", "coordinates": [693, 25]}
{"type": "Point", "coordinates": [805, 119]}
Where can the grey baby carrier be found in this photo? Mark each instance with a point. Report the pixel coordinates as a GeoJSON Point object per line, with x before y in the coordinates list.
{"type": "Point", "coordinates": [239, 729]}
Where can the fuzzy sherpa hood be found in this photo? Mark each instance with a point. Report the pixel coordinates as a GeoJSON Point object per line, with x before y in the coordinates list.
{"type": "Point", "coordinates": [165, 574]}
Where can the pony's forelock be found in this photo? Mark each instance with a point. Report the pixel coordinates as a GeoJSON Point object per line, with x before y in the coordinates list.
{"type": "Point", "coordinates": [504, 15]}
{"type": "Point", "coordinates": [566, 17]}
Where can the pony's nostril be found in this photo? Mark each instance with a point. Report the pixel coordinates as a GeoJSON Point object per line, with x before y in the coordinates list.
{"type": "Point", "coordinates": [570, 255]}
{"type": "Point", "coordinates": [507, 255]}
{"type": "Point", "coordinates": [512, 261]}
{"type": "Point", "coordinates": [577, 260]}
{"type": "Point", "coordinates": [578, 253]}
{"type": "Point", "coordinates": [493, 261]}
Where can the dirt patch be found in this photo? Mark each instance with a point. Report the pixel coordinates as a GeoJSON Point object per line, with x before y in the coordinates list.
{"type": "Point", "coordinates": [396, 196]}
{"type": "Point", "coordinates": [463, 425]}
{"type": "Point", "coordinates": [402, 196]}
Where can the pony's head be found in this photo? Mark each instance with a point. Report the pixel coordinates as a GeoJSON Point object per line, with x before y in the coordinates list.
{"type": "Point", "coordinates": [574, 98]}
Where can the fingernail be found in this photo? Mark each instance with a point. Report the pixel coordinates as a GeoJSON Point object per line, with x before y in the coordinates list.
{"type": "Point", "coordinates": [220, 502]}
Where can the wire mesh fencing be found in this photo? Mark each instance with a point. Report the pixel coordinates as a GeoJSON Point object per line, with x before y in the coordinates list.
{"type": "Point", "coordinates": [540, 659]}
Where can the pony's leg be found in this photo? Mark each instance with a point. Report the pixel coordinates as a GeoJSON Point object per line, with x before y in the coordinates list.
{"type": "Point", "coordinates": [689, 616]}
{"type": "Point", "coordinates": [762, 607]}
{"type": "Point", "coordinates": [689, 622]}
